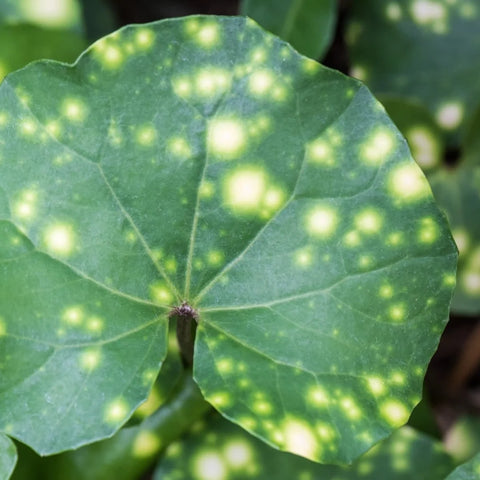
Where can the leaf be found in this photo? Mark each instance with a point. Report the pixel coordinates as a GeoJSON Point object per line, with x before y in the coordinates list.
{"type": "Point", "coordinates": [219, 450]}
{"type": "Point", "coordinates": [204, 160]}
{"type": "Point", "coordinates": [456, 189]}
{"type": "Point", "coordinates": [412, 49]}
{"type": "Point", "coordinates": [8, 457]}
{"type": "Point", "coordinates": [307, 24]}
{"type": "Point", "coordinates": [59, 14]}
{"type": "Point", "coordinates": [21, 44]}
{"type": "Point", "coordinates": [467, 471]}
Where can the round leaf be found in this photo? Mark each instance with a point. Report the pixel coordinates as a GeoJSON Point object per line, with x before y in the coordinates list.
{"type": "Point", "coordinates": [411, 48]}
{"type": "Point", "coordinates": [204, 160]}
{"type": "Point", "coordinates": [218, 450]}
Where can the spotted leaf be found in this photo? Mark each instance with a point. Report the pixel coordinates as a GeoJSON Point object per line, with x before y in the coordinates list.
{"type": "Point", "coordinates": [8, 457]}
{"type": "Point", "coordinates": [218, 450]}
{"type": "Point", "coordinates": [411, 48]}
{"type": "Point", "coordinates": [307, 24]}
{"type": "Point", "coordinates": [204, 160]}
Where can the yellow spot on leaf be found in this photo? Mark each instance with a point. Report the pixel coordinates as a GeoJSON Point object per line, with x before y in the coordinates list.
{"type": "Point", "coordinates": [261, 81]}
{"type": "Point", "coordinates": [238, 454]}
{"type": "Point", "coordinates": [322, 221]}
{"type": "Point", "coordinates": [407, 183]}
{"type": "Point", "coordinates": [394, 412]}
{"type": "Point", "coordinates": [59, 239]}
{"type": "Point", "coordinates": [146, 135]}
{"type": "Point", "coordinates": [319, 152]}
{"type": "Point", "coordinates": [74, 109]}
{"type": "Point", "coordinates": [376, 385]}
{"type": "Point", "coordinates": [369, 221]}
{"type": "Point", "coordinates": [378, 146]}
{"type": "Point", "coordinates": [3, 327]}
{"type": "Point", "coordinates": [73, 315]}
{"type": "Point", "coordinates": [209, 465]}
{"type": "Point", "coordinates": [144, 38]}
{"type": "Point", "coordinates": [299, 438]}
{"type": "Point", "coordinates": [397, 312]}
{"type": "Point", "coordinates": [226, 137]}
{"type": "Point", "coordinates": [116, 411]}
{"type": "Point", "coordinates": [90, 359]}
{"type": "Point", "coordinates": [424, 145]}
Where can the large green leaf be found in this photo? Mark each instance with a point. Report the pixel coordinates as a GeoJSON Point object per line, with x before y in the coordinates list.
{"type": "Point", "coordinates": [307, 24]}
{"type": "Point", "coordinates": [218, 450]}
{"type": "Point", "coordinates": [204, 160]}
{"type": "Point", "coordinates": [411, 47]}
{"type": "Point", "coordinates": [456, 189]}
{"type": "Point", "coordinates": [467, 471]}
{"type": "Point", "coordinates": [8, 457]}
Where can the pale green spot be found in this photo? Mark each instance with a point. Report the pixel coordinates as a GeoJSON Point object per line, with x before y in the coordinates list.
{"type": "Point", "coordinates": [303, 258]}
{"type": "Point", "coordinates": [27, 127]}
{"type": "Point", "coordinates": [379, 144]}
{"type": "Point", "coordinates": [407, 183]}
{"type": "Point", "coordinates": [74, 109]}
{"type": "Point", "coordinates": [449, 280]}
{"type": "Point", "coordinates": [160, 293]}
{"type": "Point", "coordinates": [116, 411]}
{"type": "Point", "coordinates": [322, 221]}
{"type": "Point", "coordinates": [226, 137]}
{"type": "Point", "coordinates": [450, 114]}
{"type": "Point", "coordinates": [320, 152]}
{"type": "Point", "coordinates": [317, 396]}
{"type": "Point", "coordinates": [225, 365]}
{"type": "Point", "coordinates": [24, 207]}
{"type": "Point", "coordinates": [144, 38]}
{"type": "Point", "coordinates": [220, 399]}
{"type": "Point", "coordinates": [397, 312]}
{"type": "Point", "coordinates": [109, 55]}
{"type": "Point", "coordinates": [394, 239]}
{"type": "Point", "coordinates": [394, 412]}
{"type": "Point", "coordinates": [74, 315]}
{"type": "Point", "coordinates": [398, 378]}
{"type": "Point", "coordinates": [215, 258]}
{"type": "Point", "coordinates": [369, 221]}
{"type": "Point", "coordinates": [212, 81]}
{"type": "Point", "coordinates": [350, 407]}
{"type": "Point", "coordinates": [386, 291]}
{"type": "Point", "coordinates": [59, 239]}
{"type": "Point", "coordinates": [53, 128]}
{"type": "Point", "coordinates": [179, 146]}
{"type": "Point", "coordinates": [325, 431]}
{"type": "Point", "coordinates": [95, 324]}
{"type": "Point", "coordinates": [182, 87]}
{"type": "Point", "coordinates": [376, 385]}
{"type": "Point", "coordinates": [470, 280]}
{"type": "Point", "coordinates": [298, 437]}
{"type": "Point", "coordinates": [365, 261]}
{"type": "Point", "coordinates": [90, 359]}
{"type": "Point", "coordinates": [145, 135]}
{"type": "Point", "coordinates": [146, 444]}
{"type": "Point", "coordinates": [428, 231]}
{"type": "Point", "coordinates": [245, 188]}
{"type": "Point", "coordinates": [352, 239]}
{"type": "Point", "coordinates": [259, 55]}
{"type": "Point", "coordinates": [206, 34]}
{"type": "Point", "coordinates": [209, 465]}
{"type": "Point", "coordinates": [261, 81]}
{"type": "Point", "coordinates": [262, 407]}
{"type": "Point", "coordinates": [171, 265]}
{"type": "Point", "coordinates": [207, 189]}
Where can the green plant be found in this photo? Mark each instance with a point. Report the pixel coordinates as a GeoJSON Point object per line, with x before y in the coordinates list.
{"type": "Point", "coordinates": [271, 194]}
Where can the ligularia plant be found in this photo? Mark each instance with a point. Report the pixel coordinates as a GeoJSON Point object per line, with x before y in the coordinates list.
{"type": "Point", "coordinates": [201, 169]}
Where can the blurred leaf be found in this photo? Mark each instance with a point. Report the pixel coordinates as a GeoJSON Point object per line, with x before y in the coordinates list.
{"type": "Point", "coordinates": [467, 471]}
{"type": "Point", "coordinates": [219, 450]}
{"type": "Point", "coordinates": [99, 18]}
{"type": "Point", "coordinates": [421, 49]}
{"type": "Point", "coordinates": [202, 159]}
{"type": "Point", "coordinates": [21, 44]}
{"type": "Point", "coordinates": [8, 457]}
{"type": "Point", "coordinates": [463, 439]}
{"type": "Point", "coordinates": [307, 24]}
{"type": "Point", "coordinates": [57, 14]}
